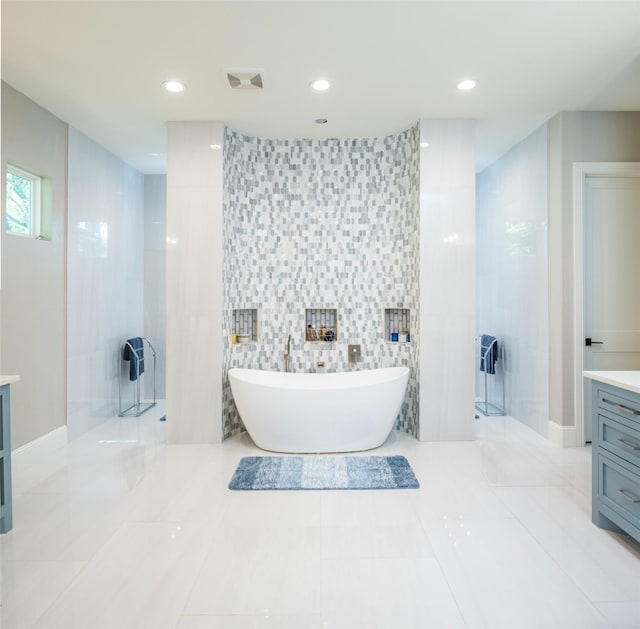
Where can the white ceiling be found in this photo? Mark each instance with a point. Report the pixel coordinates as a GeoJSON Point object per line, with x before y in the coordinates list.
{"type": "Point", "coordinates": [100, 65]}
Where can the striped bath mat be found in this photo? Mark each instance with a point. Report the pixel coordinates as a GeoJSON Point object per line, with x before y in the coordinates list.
{"type": "Point", "coordinates": [323, 472]}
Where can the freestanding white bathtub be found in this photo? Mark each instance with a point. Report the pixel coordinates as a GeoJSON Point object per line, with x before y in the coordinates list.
{"type": "Point", "coordinates": [311, 412]}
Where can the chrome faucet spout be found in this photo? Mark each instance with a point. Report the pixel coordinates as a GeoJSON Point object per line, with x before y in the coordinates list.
{"type": "Point", "coordinates": [287, 355]}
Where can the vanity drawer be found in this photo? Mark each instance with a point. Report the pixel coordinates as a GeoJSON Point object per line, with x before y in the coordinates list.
{"type": "Point", "coordinates": [619, 438]}
{"type": "Point", "coordinates": [624, 407]}
{"type": "Point", "coordinates": [619, 488]}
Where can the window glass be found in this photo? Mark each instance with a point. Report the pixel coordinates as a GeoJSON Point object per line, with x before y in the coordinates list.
{"type": "Point", "coordinates": [23, 202]}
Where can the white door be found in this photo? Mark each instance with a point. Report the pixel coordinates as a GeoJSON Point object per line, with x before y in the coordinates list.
{"type": "Point", "coordinates": [612, 277]}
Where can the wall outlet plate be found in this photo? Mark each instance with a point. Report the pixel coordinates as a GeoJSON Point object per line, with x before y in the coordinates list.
{"type": "Point", "coordinates": [354, 354]}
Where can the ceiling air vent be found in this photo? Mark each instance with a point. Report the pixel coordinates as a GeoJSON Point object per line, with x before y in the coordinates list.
{"type": "Point", "coordinates": [245, 78]}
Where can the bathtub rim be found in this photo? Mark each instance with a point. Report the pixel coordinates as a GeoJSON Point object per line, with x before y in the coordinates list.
{"type": "Point", "coordinates": [311, 381]}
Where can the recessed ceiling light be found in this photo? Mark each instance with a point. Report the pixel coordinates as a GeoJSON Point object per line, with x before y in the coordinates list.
{"type": "Point", "coordinates": [173, 86]}
{"type": "Point", "coordinates": [423, 145]}
{"type": "Point", "coordinates": [215, 147]}
{"type": "Point", "coordinates": [321, 121]}
{"type": "Point", "coordinates": [466, 85]}
{"type": "Point", "coordinates": [320, 85]}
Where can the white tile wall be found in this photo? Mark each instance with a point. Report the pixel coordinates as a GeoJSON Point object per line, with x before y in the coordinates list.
{"type": "Point", "coordinates": [512, 272]}
{"type": "Point", "coordinates": [155, 276]}
{"type": "Point", "coordinates": [105, 267]}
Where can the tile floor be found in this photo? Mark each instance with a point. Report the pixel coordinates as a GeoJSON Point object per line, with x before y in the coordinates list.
{"type": "Point", "coordinates": [117, 530]}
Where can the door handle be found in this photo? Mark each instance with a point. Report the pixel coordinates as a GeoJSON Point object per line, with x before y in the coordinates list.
{"type": "Point", "coordinates": [588, 342]}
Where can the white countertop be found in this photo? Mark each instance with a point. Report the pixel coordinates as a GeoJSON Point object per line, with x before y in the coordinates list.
{"type": "Point", "coordinates": [629, 380]}
{"type": "Point", "coordinates": [8, 380]}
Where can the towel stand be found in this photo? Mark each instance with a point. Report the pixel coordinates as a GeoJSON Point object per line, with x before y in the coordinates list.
{"type": "Point", "coordinates": [497, 379]}
{"type": "Point", "coordinates": [138, 407]}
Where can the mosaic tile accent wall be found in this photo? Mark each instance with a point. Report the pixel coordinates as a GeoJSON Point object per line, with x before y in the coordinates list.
{"type": "Point", "coordinates": [321, 224]}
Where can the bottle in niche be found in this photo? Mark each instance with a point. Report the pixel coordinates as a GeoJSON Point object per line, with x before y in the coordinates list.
{"type": "Point", "coordinates": [394, 336]}
{"type": "Point", "coordinates": [309, 333]}
{"type": "Point", "coordinates": [323, 332]}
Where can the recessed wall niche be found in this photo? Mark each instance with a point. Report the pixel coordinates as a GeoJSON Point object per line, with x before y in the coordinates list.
{"type": "Point", "coordinates": [397, 325]}
{"type": "Point", "coordinates": [244, 324]}
{"type": "Point", "coordinates": [321, 325]}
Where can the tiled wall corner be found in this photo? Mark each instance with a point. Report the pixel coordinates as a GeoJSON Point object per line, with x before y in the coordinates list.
{"type": "Point", "coordinates": [321, 224]}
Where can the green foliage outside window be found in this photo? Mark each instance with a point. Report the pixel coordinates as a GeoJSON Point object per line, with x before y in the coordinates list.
{"type": "Point", "coordinates": [20, 203]}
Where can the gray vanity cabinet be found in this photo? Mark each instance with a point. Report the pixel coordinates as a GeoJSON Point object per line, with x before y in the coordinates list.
{"type": "Point", "coordinates": [6, 517]}
{"type": "Point", "coordinates": [616, 459]}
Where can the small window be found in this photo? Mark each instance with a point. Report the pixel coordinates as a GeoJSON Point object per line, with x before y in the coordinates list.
{"type": "Point", "coordinates": [24, 203]}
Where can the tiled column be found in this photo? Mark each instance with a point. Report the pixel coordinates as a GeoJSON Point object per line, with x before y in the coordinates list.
{"type": "Point", "coordinates": [447, 280]}
{"type": "Point", "coordinates": [194, 282]}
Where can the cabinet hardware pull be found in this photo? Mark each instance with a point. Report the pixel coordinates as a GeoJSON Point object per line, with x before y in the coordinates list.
{"type": "Point", "coordinates": [627, 496]}
{"type": "Point", "coordinates": [626, 409]}
{"type": "Point", "coordinates": [627, 446]}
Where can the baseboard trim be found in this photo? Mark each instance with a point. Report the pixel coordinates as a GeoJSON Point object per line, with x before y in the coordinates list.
{"type": "Point", "coordinates": [563, 436]}
{"type": "Point", "coordinates": [50, 441]}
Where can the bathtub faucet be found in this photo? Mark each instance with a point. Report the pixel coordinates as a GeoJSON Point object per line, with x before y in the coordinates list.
{"type": "Point", "coordinates": [287, 355]}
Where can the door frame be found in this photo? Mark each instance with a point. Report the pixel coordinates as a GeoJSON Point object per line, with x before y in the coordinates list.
{"type": "Point", "coordinates": [581, 171]}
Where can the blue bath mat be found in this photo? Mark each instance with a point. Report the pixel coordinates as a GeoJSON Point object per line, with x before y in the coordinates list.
{"type": "Point", "coordinates": [323, 472]}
